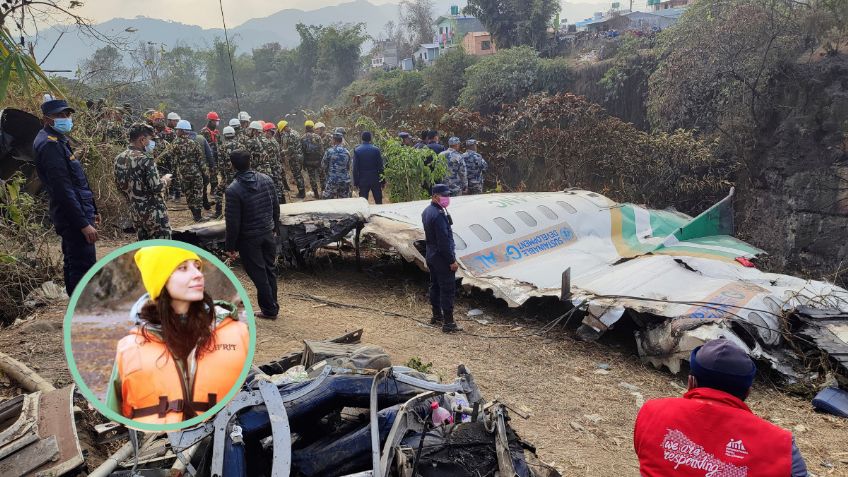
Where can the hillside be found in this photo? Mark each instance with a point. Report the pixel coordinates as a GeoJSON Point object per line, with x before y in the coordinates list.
{"type": "Point", "coordinates": [278, 27]}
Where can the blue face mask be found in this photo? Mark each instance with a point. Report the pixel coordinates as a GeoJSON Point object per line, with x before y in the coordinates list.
{"type": "Point", "coordinates": [151, 145]}
{"type": "Point", "coordinates": [63, 125]}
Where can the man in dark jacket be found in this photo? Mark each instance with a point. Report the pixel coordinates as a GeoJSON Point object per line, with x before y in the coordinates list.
{"type": "Point", "coordinates": [441, 260]}
{"type": "Point", "coordinates": [433, 142]}
{"type": "Point", "coordinates": [72, 207]}
{"type": "Point", "coordinates": [253, 217]}
{"type": "Point", "coordinates": [368, 169]}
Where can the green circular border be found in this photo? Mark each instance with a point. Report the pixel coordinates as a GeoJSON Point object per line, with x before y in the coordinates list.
{"type": "Point", "coordinates": [89, 394]}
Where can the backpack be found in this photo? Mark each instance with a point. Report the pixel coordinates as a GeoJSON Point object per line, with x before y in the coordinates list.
{"type": "Point", "coordinates": [311, 150]}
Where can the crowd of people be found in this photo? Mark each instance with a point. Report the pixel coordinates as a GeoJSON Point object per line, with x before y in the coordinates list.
{"type": "Point", "coordinates": [166, 159]}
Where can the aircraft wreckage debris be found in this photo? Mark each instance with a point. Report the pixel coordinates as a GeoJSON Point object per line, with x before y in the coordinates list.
{"type": "Point", "coordinates": [681, 280]}
{"type": "Point", "coordinates": [319, 426]}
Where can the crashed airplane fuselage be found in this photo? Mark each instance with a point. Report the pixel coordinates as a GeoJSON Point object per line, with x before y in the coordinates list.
{"type": "Point", "coordinates": [683, 280]}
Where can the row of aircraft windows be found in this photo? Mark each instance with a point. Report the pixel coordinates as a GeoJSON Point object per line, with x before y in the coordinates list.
{"type": "Point", "coordinates": [508, 228]}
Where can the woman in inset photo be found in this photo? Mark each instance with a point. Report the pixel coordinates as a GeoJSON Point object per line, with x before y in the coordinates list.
{"type": "Point", "coordinates": [186, 351]}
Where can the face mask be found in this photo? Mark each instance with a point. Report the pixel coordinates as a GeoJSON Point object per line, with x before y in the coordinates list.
{"type": "Point", "coordinates": [151, 145]}
{"type": "Point", "coordinates": [444, 202]}
{"type": "Point", "coordinates": [63, 125]}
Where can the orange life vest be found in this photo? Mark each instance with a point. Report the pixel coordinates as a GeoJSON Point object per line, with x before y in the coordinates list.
{"type": "Point", "coordinates": [151, 383]}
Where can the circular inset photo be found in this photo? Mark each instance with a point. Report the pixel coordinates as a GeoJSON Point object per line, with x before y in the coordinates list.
{"type": "Point", "coordinates": [159, 335]}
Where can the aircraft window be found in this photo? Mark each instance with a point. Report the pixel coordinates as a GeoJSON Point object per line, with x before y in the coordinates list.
{"type": "Point", "coordinates": [481, 232]}
{"type": "Point", "coordinates": [568, 207]}
{"type": "Point", "coordinates": [504, 225]}
{"type": "Point", "coordinates": [526, 218]}
{"type": "Point", "coordinates": [460, 244]}
{"type": "Point", "coordinates": [547, 212]}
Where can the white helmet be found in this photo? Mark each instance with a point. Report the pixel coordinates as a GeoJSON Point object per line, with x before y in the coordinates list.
{"type": "Point", "coordinates": [173, 117]}
{"type": "Point", "coordinates": [229, 131]}
{"type": "Point", "coordinates": [243, 116]}
{"type": "Point", "coordinates": [320, 125]}
{"type": "Point", "coordinates": [184, 125]}
{"type": "Point", "coordinates": [255, 125]}
{"type": "Point", "coordinates": [235, 123]}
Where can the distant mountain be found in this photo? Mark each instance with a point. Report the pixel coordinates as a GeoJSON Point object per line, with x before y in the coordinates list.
{"type": "Point", "coordinates": [279, 27]}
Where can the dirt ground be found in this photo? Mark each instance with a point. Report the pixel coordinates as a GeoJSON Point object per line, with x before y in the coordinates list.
{"type": "Point", "coordinates": [582, 397]}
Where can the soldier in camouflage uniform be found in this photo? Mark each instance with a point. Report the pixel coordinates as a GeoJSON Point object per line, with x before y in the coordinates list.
{"type": "Point", "coordinates": [475, 166]}
{"type": "Point", "coordinates": [326, 144]}
{"type": "Point", "coordinates": [457, 179]}
{"type": "Point", "coordinates": [213, 138]}
{"type": "Point", "coordinates": [138, 179]}
{"type": "Point", "coordinates": [164, 138]}
{"type": "Point", "coordinates": [337, 163]}
{"type": "Point", "coordinates": [225, 167]}
{"type": "Point", "coordinates": [312, 156]}
{"type": "Point", "coordinates": [292, 148]}
{"type": "Point", "coordinates": [260, 153]}
{"type": "Point", "coordinates": [191, 166]}
{"type": "Point", "coordinates": [276, 157]}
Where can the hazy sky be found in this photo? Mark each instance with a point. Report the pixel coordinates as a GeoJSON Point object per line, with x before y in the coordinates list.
{"type": "Point", "coordinates": [206, 13]}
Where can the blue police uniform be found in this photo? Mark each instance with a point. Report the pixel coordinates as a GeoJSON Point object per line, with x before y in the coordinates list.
{"type": "Point", "coordinates": [440, 255]}
{"type": "Point", "coordinates": [367, 171]}
{"type": "Point", "coordinates": [72, 206]}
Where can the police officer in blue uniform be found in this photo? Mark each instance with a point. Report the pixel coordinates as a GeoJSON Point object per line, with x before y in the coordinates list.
{"type": "Point", "coordinates": [441, 259]}
{"type": "Point", "coordinates": [72, 206]}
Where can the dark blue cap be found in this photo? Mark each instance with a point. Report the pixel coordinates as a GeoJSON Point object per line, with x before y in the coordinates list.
{"type": "Point", "coordinates": [55, 106]}
{"type": "Point", "coordinates": [723, 365]}
{"type": "Point", "coordinates": [441, 190]}
{"type": "Point", "coordinates": [403, 134]}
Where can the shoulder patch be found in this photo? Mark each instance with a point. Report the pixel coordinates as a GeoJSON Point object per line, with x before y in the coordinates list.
{"type": "Point", "coordinates": [52, 138]}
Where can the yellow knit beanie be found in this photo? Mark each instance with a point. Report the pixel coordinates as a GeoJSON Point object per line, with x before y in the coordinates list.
{"type": "Point", "coordinates": [156, 265]}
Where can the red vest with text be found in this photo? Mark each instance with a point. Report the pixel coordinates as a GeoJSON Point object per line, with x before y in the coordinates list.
{"type": "Point", "coordinates": [709, 433]}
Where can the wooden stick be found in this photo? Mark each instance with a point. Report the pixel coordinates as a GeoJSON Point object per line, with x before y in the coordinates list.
{"type": "Point", "coordinates": [23, 375]}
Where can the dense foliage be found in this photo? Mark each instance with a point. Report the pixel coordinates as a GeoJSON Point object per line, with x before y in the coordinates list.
{"type": "Point", "coordinates": [272, 81]}
{"type": "Point", "coordinates": [516, 22]}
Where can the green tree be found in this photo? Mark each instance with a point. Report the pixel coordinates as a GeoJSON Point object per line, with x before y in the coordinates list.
{"type": "Point", "coordinates": [184, 69]}
{"type": "Point", "coordinates": [508, 76]}
{"type": "Point", "coordinates": [717, 62]}
{"type": "Point", "coordinates": [219, 78]}
{"type": "Point", "coordinates": [515, 22]}
{"type": "Point", "coordinates": [447, 76]}
{"type": "Point", "coordinates": [337, 62]}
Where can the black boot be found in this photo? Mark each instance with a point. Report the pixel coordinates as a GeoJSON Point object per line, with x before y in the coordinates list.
{"type": "Point", "coordinates": [450, 326]}
{"type": "Point", "coordinates": [218, 212]}
{"type": "Point", "coordinates": [437, 318]}
{"type": "Point", "coordinates": [177, 195]}
{"type": "Point", "coordinates": [206, 204]}
{"type": "Point", "coordinates": [195, 214]}
{"type": "Point", "coordinates": [301, 194]}
{"type": "Point", "coordinates": [317, 195]}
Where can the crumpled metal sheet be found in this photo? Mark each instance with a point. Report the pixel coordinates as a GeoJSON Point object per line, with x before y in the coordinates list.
{"type": "Point", "coordinates": [621, 257]}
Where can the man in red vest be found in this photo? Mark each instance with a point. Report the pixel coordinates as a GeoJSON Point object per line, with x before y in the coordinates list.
{"type": "Point", "coordinates": [710, 432]}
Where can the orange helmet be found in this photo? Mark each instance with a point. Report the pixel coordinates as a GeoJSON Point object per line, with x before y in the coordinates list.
{"type": "Point", "coordinates": [157, 115]}
{"type": "Point", "coordinates": [213, 116]}
{"type": "Point", "coordinates": [269, 127]}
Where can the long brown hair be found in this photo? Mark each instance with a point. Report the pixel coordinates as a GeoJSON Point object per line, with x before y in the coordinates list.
{"type": "Point", "coordinates": [181, 337]}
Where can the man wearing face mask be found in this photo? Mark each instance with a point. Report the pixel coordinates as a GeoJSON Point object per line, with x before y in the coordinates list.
{"type": "Point", "coordinates": [72, 207]}
{"type": "Point", "coordinates": [138, 179]}
{"type": "Point", "coordinates": [441, 259]}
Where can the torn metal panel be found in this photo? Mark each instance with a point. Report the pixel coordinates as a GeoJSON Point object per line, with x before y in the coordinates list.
{"type": "Point", "coordinates": [39, 435]}
{"type": "Point", "coordinates": [305, 227]}
{"type": "Point", "coordinates": [828, 329]}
